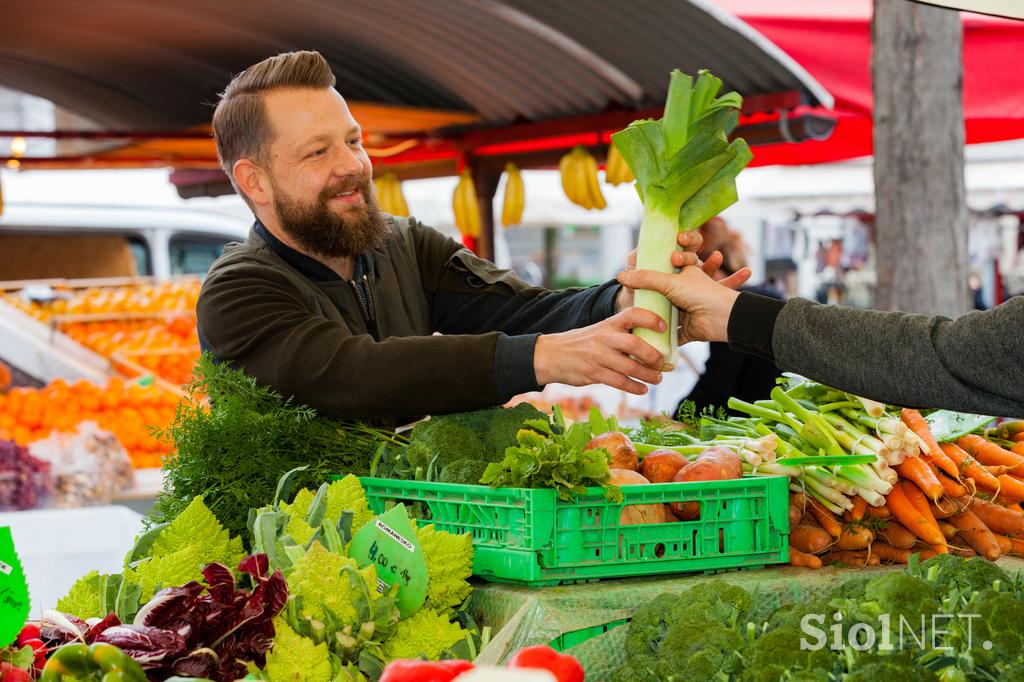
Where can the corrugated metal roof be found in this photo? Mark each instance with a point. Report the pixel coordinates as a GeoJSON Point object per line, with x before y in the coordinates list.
{"type": "Point", "coordinates": [130, 64]}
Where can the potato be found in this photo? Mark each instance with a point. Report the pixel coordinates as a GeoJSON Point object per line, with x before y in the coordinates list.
{"type": "Point", "coordinates": [714, 464]}
{"type": "Point", "coordinates": [661, 465]}
{"type": "Point", "coordinates": [637, 513]}
{"type": "Point", "coordinates": [619, 446]}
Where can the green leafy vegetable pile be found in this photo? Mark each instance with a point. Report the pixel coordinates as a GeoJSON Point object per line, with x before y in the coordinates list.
{"type": "Point", "coordinates": [232, 452]}
{"type": "Point", "coordinates": [947, 619]}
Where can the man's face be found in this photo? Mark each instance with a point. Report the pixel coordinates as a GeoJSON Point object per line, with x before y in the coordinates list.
{"type": "Point", "coordinates": [320, 174]}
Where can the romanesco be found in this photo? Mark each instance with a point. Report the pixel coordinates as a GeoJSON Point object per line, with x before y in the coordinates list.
{"type": "Point", "coordinates": [347, 495]}
{"type": "Point", "coordinates": [83, 600]}
{"type": "Point", "coordinates": [425, 634]}
{"type": "Point", "coordinates": [295, 658]}
{"type": "Point", "coordinates": [319, 581]}
{"type": "Point", "coordinates": [449, 566]}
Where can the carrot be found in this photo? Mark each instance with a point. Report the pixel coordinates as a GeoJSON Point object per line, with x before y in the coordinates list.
{"type": "Point", "coordinates": [1015, 507]}
{"type": "Point", "coordinates": [1011, 489]}
{"type": "Point", "coordinates": [928, 552]}
{"type": "Point", "coordinates": [855, 536]}
{"type": "Point", "coordinates": [1005, 546]}
{"type": "Point", "coordinates": [802, 559]}
{"type": "Point", "coordinates": [825, 518]}
{"type": "Point", "coordinates": [976, 534]}
{"type": "Point", "coordinates": [879, 512]}
{"type": "Point", "coordinates": [796, 511]}
{"type": "Point", "coordinates": [952, 488]}
{"type": "Point", "coordinates": [970, 466]}
{"type": "Point", "coordinates": [1018, 448]}
{"type": "Point", "coordinates": [851, 558]}
{"type": "Point", "coordinates": [860, 506]}
{"type": "Point", "coordinates": [887, 552]}
{"type": "Point", "coordinates": [999, 519]}
{"type": "Point", "coordinates": [911, 517]}
{"type": "Point", "coordinates": [809, 539]}
{"type": "Point", "coordinates": [896, 535]}
{"type": "Point", "coordinates": [916, 470]}
{"type": "Point", "coordinates": [965, 552]}
{"type": "Point", "coordinates": [990, 453]}
{"type": "Point", "coordinates": [1010, 430]}
{"type": "Point", "coordinates": [1016, 547]}
{"type": "Point", "coordinates": [948, 530]}
{"type": "Point", "coordinates": [920, 502]}
{"type": "Point", "coordinates": [943, 510]}
{"type": "Point", "coordinates": [934, 455]}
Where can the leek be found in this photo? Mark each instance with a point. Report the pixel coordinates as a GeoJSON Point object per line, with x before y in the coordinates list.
{"type": "Point", "coordinates": [685, 169]}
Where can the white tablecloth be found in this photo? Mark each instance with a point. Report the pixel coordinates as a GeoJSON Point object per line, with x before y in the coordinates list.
{"type": "Point", "coordinates": [58, 546]}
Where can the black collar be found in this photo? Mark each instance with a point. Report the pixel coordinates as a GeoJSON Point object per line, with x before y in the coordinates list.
{"type": "Point", "coordinates": [310, 267]}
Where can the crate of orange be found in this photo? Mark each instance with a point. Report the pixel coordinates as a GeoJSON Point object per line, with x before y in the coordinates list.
{"type": "Point", "coordinates": [125, 408]}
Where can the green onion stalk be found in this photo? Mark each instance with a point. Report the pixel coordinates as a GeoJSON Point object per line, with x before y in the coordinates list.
{"type": "Point", "coordinates": [685, 169]}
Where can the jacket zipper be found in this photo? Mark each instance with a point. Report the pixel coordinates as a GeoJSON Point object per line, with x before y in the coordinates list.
{"type": "Point", "coordinates": [366, 307]}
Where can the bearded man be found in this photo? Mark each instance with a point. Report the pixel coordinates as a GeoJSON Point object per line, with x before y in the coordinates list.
{"type": "Point", "coordinates": [361, 314]}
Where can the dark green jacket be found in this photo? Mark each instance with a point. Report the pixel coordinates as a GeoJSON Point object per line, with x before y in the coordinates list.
{"type": "Point", "coordinates": [294, 325]}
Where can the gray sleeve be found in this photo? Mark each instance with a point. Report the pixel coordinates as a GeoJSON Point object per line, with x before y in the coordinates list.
{"type": "Point", "coordinates": [974, 363]}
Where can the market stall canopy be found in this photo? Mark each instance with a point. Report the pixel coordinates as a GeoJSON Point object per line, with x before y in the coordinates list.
{"type": "Point", "coordinates": [436, 72]}
{"type": "Point", "coordinates": [832, 40]}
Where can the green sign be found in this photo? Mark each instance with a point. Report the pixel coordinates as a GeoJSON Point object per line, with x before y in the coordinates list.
{"type": "Point", "coordinates": [389, 543]}
{"type": "Point", "coordinates": [13, 590]}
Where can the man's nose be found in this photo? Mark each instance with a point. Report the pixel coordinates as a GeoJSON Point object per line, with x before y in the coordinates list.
{"type": "Point", "coordinates": [346, 162]}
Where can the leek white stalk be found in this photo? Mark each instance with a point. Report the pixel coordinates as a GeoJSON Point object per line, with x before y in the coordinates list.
{"type": "Point", "coordinates": [685, 169]}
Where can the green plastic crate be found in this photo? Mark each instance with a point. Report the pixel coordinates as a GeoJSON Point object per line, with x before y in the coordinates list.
{"type": "Point", "coordinates": [529, 536]}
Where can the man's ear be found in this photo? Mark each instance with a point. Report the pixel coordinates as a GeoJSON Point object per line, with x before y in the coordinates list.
{"type": "Point", "coordinates": [253, 182]}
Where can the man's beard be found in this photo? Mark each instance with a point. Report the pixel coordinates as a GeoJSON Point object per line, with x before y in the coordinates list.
{"type": "Point", "coordinates": [323, 232]}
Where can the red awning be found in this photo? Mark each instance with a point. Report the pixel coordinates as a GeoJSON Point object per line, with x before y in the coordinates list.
{"type": "Point", "coordinates": [831, 39]}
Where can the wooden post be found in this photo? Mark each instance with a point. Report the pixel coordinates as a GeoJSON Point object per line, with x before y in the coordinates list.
{"type": "Point", "coordinates": [921, 214]}
{"type": "Point", "coordinates": [485, 179]}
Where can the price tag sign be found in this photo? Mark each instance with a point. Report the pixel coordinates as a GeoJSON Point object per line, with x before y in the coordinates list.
{"type": "Point", "coordinates": [14, 606]}
{"type": "Point", "coordinates": [389, 543]}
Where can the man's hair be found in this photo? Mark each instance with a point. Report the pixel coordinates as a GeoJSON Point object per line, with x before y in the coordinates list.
{"type": "Point", "coordinates": [240, 126]}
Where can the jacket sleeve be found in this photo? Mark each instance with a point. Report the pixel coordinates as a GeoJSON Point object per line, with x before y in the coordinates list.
{"type": "Point", "coordinates": [469, 295]}
{"type": "Point", "coordinates": [970, 364]}
{"type": "Point", "coordinates": [255, 319]}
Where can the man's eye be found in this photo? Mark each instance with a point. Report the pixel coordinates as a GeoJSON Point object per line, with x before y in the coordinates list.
{"type": "Point", "coordinates": [356, 142]}
{"type": "Point", "coordinates": [319, 152]}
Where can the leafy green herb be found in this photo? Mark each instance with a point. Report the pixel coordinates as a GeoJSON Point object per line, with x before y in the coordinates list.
{"type": "Point", "coordinates": [544, 458]}
{"type": "Point", "coordinates": [233, 452]}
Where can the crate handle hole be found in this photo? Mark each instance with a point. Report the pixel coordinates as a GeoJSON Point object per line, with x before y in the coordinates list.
{"type": "Point", "coordinates": [659, 550]}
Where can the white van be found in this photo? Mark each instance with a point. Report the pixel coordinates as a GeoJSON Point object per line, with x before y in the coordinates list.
{"type": "Point", "coordinates": [47, 241]}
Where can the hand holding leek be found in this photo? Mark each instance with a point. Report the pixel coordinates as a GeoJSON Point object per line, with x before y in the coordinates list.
{"type": "Point", "coordinates": [685, 169]}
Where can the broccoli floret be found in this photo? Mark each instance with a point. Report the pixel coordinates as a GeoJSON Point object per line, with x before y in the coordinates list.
{"type": "Point", "coordinates": [648, 627]}
{"type": "Point", "coordinates": [853, 588]}
{"type": "Point", "coordinates": [718, 600]}
{"type": "Point", "coordinates": [998, 624]}
{"type": "Point", "coordinates": [791, 615]}
{"type": "Point", "coordinates": [693, 651]}
{"type": "Point", "coordinates": [441, 441]}
{"type": "Point", "coordinates": [633, 672]}
{"type": "Point", "coordinates": [902, 668]}
{"type": "Point", "coordinates": [466, 471]}
{"type": "Point", "coordinates": [777, 655]}
{"type": "Point", "coordinates": [500, 432]}
{"type": "Point", "coordinates": [950, 573]}
{"type": "Point", "coordinates": [901, 596]}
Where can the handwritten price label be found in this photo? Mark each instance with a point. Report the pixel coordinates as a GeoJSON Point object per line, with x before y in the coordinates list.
{"type": "Point", "coordinates": [389, 545]}
{"type": "Point", "coordinates": [14, 603]}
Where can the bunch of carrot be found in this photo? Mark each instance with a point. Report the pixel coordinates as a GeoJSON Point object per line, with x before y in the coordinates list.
{"type": "Point", "coordinates": [959, 497]}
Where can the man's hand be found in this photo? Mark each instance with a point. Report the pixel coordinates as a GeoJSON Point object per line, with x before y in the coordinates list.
{"type": "Point", "coordinates": [689, 243]}
{"type": "Point", "coordinates": [704, 304]}
{"type": "Point", "coordinates": [603, 353]}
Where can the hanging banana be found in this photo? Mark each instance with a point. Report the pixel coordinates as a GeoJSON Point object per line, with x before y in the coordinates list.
{"type": "Point", "coordinates": [464, 203]}
{"type": "Point", "coordinates": [578, 170]}
{"type": "Point", "coordinates": [389, 194]}
{"type": "Point", "coordinates": [616, 171]}
{"type": "Point", "coordinates": [512, 206]}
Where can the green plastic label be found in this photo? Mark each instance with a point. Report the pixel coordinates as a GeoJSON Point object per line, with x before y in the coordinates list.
{"type": "Point", "coordinates": [14, 606]}
{"type": "Point", "coordinates": [389, 543]}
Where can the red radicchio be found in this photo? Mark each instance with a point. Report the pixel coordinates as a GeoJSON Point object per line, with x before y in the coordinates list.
{"type": "Point", "coordinates": [150, 647]}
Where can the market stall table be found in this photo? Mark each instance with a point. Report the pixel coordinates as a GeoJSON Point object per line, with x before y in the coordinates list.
{"type": "Point", "coordinates": [576, 614]}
